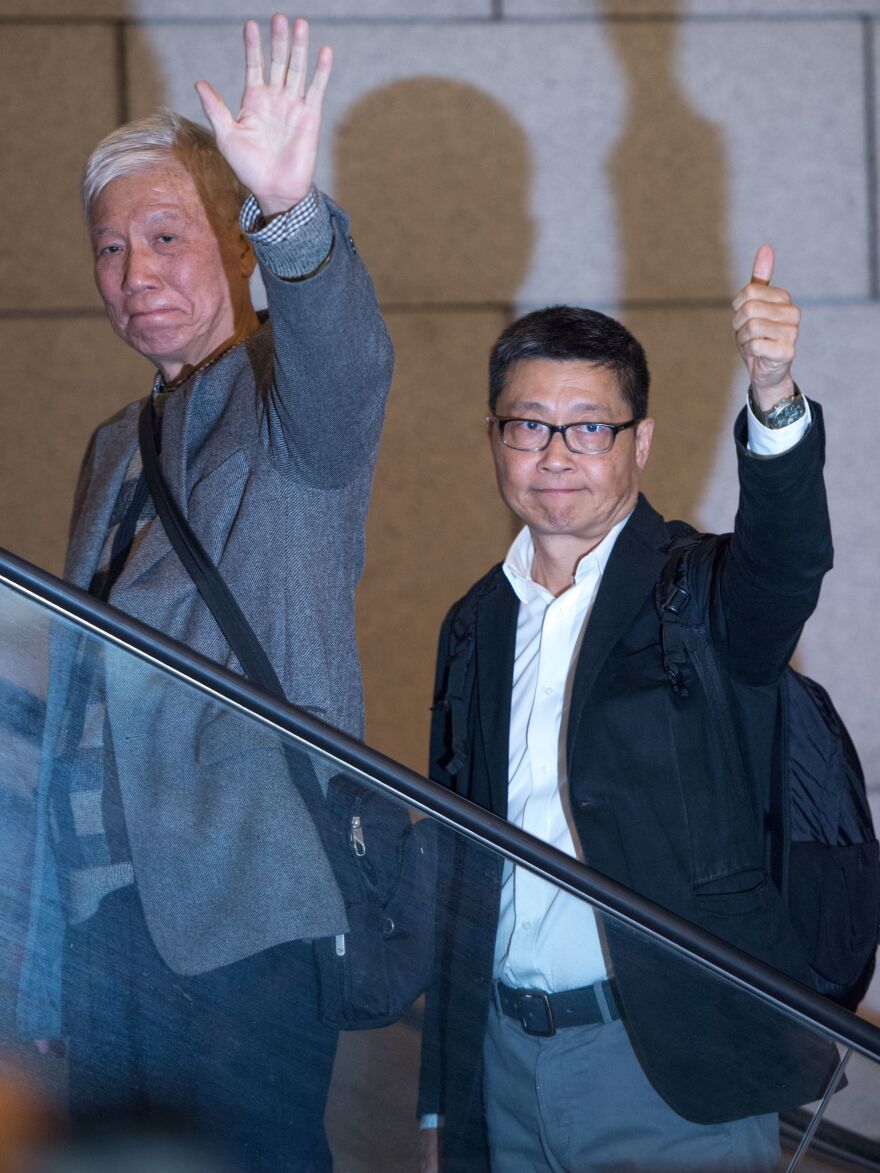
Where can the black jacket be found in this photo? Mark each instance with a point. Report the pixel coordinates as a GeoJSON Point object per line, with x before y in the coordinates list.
{"type": "Point", "coordinates": [656, 802]}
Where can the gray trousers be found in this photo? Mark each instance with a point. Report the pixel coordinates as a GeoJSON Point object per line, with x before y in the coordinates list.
{"type": "Point", "coordinates": [579, 1102]}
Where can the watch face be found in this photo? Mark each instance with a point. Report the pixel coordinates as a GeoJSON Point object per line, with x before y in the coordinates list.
{"type": "Point", "coordinates": [786, 413]}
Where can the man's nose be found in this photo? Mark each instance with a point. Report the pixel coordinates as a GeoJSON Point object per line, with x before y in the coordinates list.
{"type": "Point", "coordinates": [140, 271]}
{"type": "Point", "coordinates": [556, 455]}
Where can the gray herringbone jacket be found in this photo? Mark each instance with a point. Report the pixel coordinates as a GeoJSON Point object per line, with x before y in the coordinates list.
{"type": "Point", "coordinates": [271, 454]}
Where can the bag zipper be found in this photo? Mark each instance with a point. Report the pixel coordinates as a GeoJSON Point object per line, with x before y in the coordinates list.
{"type": "Point", "coordinates": [356, 837]}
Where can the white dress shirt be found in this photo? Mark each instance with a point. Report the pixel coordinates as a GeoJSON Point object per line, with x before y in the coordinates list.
{"type": "Point", "coordinates": [548, 939]}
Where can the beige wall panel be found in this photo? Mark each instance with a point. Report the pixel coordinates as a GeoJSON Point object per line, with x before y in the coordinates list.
{"type": "Point", "coordinates": [436, 523]}
{"type": "Point", "coordinates": [647, 163]}
{"type": "Point", "coordinates": [72, 10]}
{"type": "Point", "coordinates": [695, 381]}
{"type": "Point", "coordinates": [873, 31]}
{"type": "Point", "coordinates": [786, 101]}
{"type": "Point", "coordinates": [435, 9]}
{"type": "Point", "coordinates": [58, 95]}
{"type": "Point", "coordinates": [241, 9]}
{"type": "Point", "coordinates": [451, 136]}
{"type": "Point", "coordinates": [395, 149]}
{"type": "Point", "coordinates": [61, 379]}
{"type": "Point", "coordinates": [721, 9]}
{"type": "Point", "coordinates": [838, 360]}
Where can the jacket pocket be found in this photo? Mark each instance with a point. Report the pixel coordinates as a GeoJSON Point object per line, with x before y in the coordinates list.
{"type": "Point", "coordinates": [736, 894]}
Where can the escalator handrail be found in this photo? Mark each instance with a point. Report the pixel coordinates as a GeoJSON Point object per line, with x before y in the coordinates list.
{"type": "Point", "coordinates": [449, 808]}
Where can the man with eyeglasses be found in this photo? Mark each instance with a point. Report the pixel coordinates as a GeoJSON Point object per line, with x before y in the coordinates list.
{"type": "Point", "coordinates": [556, 1040]}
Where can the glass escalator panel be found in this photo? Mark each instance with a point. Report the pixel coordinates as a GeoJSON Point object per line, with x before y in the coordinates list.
{"type": "Point", "coordinates": [193, 900]}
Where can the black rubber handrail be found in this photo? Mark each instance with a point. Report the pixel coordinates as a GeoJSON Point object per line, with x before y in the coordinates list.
{"type": "Point", "coordinates": [464, 816]}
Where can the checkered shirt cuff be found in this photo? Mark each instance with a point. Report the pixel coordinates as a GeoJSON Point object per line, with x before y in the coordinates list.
{"type": "Point", "coordinates": [293, 244]}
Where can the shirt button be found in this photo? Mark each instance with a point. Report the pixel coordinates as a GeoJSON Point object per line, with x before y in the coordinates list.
{"type": "Point", "coordinates": [545, 770]}
{"type": "Point", "coordinates": [548, 691]}
{"type": "Point", "coordinates": [527, 924]}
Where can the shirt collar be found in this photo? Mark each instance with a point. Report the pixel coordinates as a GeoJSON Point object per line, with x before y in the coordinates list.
{"type": "Point", "coordinates": [517, 565]}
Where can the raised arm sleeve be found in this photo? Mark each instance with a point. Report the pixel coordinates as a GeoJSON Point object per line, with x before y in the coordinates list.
{"type": "Point", "coordinates": [771, 571]}
{"type": "Point", "coordinates": [332, 355]}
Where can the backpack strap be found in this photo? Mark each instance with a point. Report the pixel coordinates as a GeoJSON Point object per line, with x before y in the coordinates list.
{"type": "Point", "coordinates": [685, 639]}
{"type": "Point", "coordinates": [673, 595]}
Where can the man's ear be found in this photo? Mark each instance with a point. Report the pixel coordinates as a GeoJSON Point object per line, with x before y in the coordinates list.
{"type": "Point", "coordinates": [644, 436]}
{"type": "Point", "coordinates": [245, 253]}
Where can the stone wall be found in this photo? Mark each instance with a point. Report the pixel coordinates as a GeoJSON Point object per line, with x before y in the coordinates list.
{"type": "Point", "coordinates": [495, 155]}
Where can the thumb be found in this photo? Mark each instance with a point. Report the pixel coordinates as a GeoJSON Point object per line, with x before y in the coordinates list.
{"type": "Point", "coordinates": [215, 108]}
{"type": "Point", "coordinates": [762, 266]}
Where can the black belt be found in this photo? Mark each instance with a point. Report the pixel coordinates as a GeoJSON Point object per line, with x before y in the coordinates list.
{"type": "Point", "coordinates": [539, 1013]}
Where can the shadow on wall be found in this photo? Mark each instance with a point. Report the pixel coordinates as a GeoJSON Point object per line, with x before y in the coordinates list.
{"type": "Point", "coordinates": [669, 179]}
{"type": "Point", "coordinates": [437, 178]}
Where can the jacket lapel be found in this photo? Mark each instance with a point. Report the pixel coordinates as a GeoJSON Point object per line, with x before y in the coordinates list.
{"type": "Point", "coordinates": [632, 570]}
{"type": "Point", "coordinates": [113, 449]}
{"type": "Point", "coordinates": [176, 443]}
{"type": "Point", "coordinates": [175, 437]}
{"type": "Point", "coordinates": [496, 646]}
{"type": "Point", "coordinates": [188, 417]}
{"type": "Point", "coordinates": [154, 544]}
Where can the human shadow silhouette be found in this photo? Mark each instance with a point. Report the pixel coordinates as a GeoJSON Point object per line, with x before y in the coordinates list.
{"type": "Point", "coordinates": [669, 178]}
{"type": "Point", "coordinates": [436, 176]}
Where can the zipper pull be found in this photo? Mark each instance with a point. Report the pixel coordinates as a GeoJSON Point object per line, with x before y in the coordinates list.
{"type": "Point", "coordinates": [677, 681]}
{"type": "Point", "coordinates": [356, 836]}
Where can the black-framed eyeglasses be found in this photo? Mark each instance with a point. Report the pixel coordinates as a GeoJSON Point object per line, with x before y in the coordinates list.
{"type": "Point", "coordinates": [585, 438]}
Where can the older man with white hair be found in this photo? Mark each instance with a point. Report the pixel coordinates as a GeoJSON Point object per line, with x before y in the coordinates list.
{"type": "Point", "coordinates": [187, 981]}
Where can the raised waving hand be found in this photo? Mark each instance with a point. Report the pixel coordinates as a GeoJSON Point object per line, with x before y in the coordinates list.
{"type": "Point", "coordinates": [766, 323]}
{"type": "Point", "coordinates": [272, 145]}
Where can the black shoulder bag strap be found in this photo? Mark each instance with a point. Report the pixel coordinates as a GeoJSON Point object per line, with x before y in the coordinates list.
{"type": "Point", "coordinates": [209, 582]}
{"type": "Point", "coordinates": [221, 603]}
{"type": "Point", "coordinates": [458, 677]}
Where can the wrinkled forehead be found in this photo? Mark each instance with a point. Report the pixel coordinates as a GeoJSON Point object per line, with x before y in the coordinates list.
{"type": "Point", "coordinates": [561, 385]}
{"type": "Point", "coordinates": [162, 187]}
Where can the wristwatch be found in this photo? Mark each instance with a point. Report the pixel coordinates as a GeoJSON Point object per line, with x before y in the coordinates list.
{"type": "Point", "coordinates": [781, 414]}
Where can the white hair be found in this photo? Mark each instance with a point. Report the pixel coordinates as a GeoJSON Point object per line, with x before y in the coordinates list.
{"type": "Point", "coordinates": [152, 141]}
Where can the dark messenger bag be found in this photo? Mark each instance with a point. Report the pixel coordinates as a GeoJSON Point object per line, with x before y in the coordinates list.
{"type": "Point", "coordinates": [384, 864]}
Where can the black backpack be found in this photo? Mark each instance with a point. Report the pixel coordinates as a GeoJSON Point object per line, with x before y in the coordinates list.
{"type": "Point", "coordinates": [823, 849]}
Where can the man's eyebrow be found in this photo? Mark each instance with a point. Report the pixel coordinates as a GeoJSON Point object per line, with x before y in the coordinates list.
{"type": "Point", "coordinates": [171, 212]}
{"type": "Point", "coordinates": [530, 405]}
